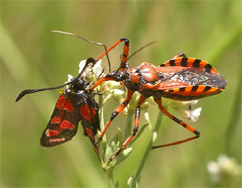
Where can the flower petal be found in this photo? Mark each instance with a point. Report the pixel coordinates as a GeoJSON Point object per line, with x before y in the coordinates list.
{"type": "Point", "coordinates": [82, 65]}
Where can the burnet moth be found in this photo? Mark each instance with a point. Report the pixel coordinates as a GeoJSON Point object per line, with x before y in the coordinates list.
{"type": "Point", "coordinates": [76, 103]}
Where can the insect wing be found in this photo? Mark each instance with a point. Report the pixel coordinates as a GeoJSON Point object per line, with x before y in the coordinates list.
{"type": "Point", "coordinates": [189, 83]}
{"type": "Point", "coordinates": [90, 119]}
{"type": "Point", "coordinates": [63, 123]}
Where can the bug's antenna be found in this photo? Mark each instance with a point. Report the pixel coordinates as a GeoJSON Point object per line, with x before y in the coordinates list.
{"type": "Point", "coordinates": [140, 49]}
{"type": "Point", "coordinates": [92, 42]}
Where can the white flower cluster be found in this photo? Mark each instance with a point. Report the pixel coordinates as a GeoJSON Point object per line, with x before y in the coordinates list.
{"type": "Point", "coordinates": [90, 72]}
{"type": "Point", "coordinates": [184, 108]}
{"type": "Point", "coordinates": [223, 169]}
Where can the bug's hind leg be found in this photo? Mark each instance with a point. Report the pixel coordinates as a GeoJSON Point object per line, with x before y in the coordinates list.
{"type": "Point", "coordinates": [180, 122]}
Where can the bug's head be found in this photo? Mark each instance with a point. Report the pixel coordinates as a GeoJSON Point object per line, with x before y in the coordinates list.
{"type": "Point", "coordinates": [75, 84]}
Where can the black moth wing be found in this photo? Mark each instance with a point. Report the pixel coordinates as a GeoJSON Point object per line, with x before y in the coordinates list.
{"type": "Point", "coordinates": [90, 118]}
{"type": "Point", "coordinates": [64, 121]}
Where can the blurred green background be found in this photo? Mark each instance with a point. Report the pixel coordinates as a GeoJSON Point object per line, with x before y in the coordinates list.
{"type": "Point", "coordinates": [33, 57]}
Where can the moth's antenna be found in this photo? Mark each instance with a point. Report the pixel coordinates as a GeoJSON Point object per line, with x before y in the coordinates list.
{"type": "Point", "coordinates": [92, 42]}
{"type": "Point", "coordinates": [28, 91]}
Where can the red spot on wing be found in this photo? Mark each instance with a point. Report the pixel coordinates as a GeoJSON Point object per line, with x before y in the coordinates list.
{"type": "Point", "coordinates": [60, 102]}
{"type": "Point", "coordinates": [50, 133]}
{"type": "Point", "coordinates": [64, 104]}
{"type": "Point", "coordinates": [55, 120]}
{"type": "Point", "coordinates": [66, 125]}
{"type": "Point", "coordinates": [87, 112]}
{"type": "Point", "coordinates": [68, 106]}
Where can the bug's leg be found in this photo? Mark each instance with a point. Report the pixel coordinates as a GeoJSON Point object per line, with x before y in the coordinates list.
{"type": "Point", "coordinates": [135, 129]}
{"type": "Point", "coordinates": [123, 64]}
{"type": "Point", "coordinates": [101, 80]}
{"type": "Point", "coordinates": [124, 55]}
{"type": "Point", "coordinates": [116, 112]}
{"type": "Point", "coordinates": [181, 54]}
{"type": "Point", "coordinates": [188, 127]}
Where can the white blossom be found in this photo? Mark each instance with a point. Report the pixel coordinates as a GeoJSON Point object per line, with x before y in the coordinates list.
{"type": "Point", "coordinates": [225, 168]}
{"type": "Point", "coordinates": [89, 72]}
{"type": "Point", "coordinates": [184, 108]}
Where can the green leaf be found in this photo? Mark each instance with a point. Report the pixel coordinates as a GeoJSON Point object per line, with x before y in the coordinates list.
{"type": "Point", "coordinates": [121, 157]}
{"type": "Point", "coordinates": [138, 134]}
{"type": "Point", "coordinates": [120, 137]}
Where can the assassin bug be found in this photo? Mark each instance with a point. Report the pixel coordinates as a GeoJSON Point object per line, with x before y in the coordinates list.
{"type": "Point", "coordinates": [179, 78]}
{"type": "Point", "coordinates": [76, 103]}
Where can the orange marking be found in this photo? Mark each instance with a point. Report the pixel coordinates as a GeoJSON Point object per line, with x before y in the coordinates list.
{"type": "Point", "coordinates": [125, 54]}
{"type": "Point", "coordinates": [190, 62]}
{"type": "Point", "coordinates": [200, 89]}
{"type": "Point", "coordinates": [190, 128]}
{"type": "Point", "coordinates": [188, 91]}
{"type": "Point", "coordinates": [120, 108]}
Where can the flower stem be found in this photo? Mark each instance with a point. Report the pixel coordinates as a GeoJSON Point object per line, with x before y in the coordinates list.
{"type": "Point", "coordinates": [128, 129]}
{"type": "Point", "coordinates": [109, 173]}
{"type": "Point", "coordinates": [148, 149]}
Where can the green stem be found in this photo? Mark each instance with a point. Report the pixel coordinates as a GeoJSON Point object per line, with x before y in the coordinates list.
{"type": "Point", "coordinates": [109, 173]}
{"type": "Point", "coordinates": [128, 129]}
{"type": "Point", "coordinates": [102, 148]}
{"type": "Point", "coordinates": [148, 149]}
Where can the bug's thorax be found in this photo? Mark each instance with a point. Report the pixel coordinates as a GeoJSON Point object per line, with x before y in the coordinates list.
{"type": "Point", "coordinates": [142, 77]}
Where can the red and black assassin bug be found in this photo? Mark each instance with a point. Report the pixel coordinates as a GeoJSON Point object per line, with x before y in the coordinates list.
{"type": "Point", "coordinates": [76, 103]}
{"type": "Point", "coordinates": [179, 78]}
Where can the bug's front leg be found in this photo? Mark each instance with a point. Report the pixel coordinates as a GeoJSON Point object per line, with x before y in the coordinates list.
{"type": "Point", "coordinates": [116, 112]}
{"type": "Point", "coordinates": [135, 127]}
